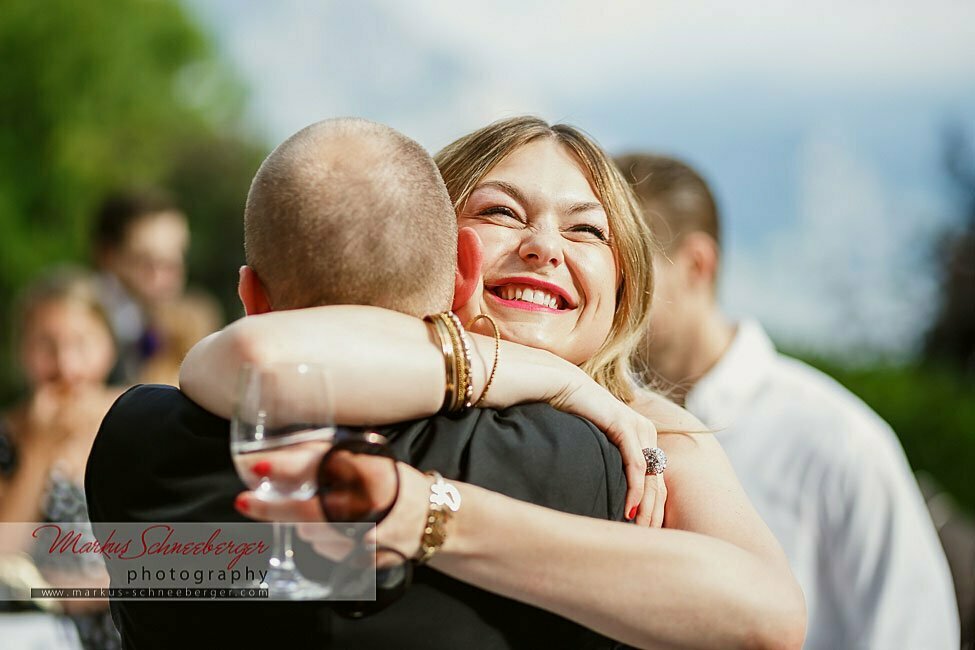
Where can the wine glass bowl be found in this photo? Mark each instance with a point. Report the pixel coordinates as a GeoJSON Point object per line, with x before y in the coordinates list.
{"type": "Point", "coordinates": [283, 420]}
{"type": "Point", "coordinates": [293, 458]}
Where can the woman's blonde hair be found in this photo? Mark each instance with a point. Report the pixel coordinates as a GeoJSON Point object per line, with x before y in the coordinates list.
{"type": "Point", "coordinates": [465, 162]}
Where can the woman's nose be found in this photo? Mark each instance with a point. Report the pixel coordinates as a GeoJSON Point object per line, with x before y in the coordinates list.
{"type": "Point", "coordinates": [70, 365]}
{"type": "Point", "coordinates": [542, 248]}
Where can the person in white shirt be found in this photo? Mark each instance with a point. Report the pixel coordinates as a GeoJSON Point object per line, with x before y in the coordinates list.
{"type": "Point", "coordinates": [826, 473]}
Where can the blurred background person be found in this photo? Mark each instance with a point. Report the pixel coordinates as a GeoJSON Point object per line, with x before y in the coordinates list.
{"type": "Point", "coordinates": [825, 472]}
{"type": "Point", "coordinates": [140, 243]}
{"type": "Point", "coordinates": [140, 239]}
{"type": "Point", "coordinates": [66, 352]}
{"type": "Point", "coordinates": [178, 325]}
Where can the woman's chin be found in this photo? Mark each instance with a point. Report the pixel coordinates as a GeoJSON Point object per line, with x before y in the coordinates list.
{"type": "Point", "coordinates": [534, 329]}
{"type": "Point", "coordinates": [542, 338]}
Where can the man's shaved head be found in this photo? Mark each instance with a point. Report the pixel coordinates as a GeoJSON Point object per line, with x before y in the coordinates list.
{"type": "Point", "coordinates": [347, 211]}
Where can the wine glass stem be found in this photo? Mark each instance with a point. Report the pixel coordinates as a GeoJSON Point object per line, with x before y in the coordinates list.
{"type": "Point", "coordinates": [282, 557]}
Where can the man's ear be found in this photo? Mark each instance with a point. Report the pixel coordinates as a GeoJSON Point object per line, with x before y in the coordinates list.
{"type": "Point", "coordinates": [470, 255]}
{"type": "Point", "coordinates": [252, 293]}
{"type": "Point", "coordinates": [702, 254]}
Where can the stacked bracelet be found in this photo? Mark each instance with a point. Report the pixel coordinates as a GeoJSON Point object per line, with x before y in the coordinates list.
{"type": "Point", "coordinates": [456, 351]}
{"type": "Point", "coordinates": [465, 397]}
{"type": "Point", "coordinates": [450, 367]}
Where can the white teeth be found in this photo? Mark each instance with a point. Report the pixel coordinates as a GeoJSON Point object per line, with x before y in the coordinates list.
{"type": "Point", "coordinates": [534, 296]}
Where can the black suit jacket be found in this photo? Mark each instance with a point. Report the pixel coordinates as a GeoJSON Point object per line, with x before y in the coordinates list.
{"type": "Point", "coordinates": [160, 457]}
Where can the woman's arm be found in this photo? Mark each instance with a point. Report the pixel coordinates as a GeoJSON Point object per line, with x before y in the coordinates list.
{"type": "Point", "coordinates": [704, 494]}
{"type": "Point", "coordinates": [717, 579]}
{"type": "Point", "coordinates": [644, 587]}
{"type": "Point", "coordinates": [387, 368]}
{"type": "Point", "coordinates": [386, 365]}
{"type": "Point", "coordinates": [377, 357]}
{"type": "Point", "coordinates": [647, 588]}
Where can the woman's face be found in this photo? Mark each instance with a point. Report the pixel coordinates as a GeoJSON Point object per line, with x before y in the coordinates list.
{"type": "Point", "coordinates": [65, 342]}
{"type": "Point", "coordinates": [549, 274]}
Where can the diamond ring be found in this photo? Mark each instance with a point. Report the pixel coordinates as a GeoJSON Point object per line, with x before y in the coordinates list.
{"type": "Point", "coordinates": [656, 460]}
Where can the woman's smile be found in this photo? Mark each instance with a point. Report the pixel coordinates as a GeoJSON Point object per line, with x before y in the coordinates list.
{"type": "Point", "coordinates": [530, 294]}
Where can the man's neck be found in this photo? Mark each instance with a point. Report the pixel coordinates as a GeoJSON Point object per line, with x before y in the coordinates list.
{"type": "Point", "coordinates": [697, 353]}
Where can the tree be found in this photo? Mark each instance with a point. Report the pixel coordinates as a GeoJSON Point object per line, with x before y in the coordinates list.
{"type": "Point", "coordinates": [107, 94]}
{"type": "Point", "coordinates": [951, 338]}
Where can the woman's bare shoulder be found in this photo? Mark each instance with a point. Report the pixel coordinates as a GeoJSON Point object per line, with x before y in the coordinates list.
{"type": "Point", "coordinates": [667, 416]}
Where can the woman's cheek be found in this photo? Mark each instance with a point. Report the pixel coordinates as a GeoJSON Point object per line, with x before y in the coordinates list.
{"type": "Point", "coordinates": [496, 243]}
{"type": "Point", "coordinates": [598, 273]}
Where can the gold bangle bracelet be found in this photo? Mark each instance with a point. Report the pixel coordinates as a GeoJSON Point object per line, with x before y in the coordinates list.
{"type": "Point", "coordinates": [450, 367]}
{"type": "Point", "coordinates": [455, 368]}
{"type": "Point", "coordinates": [456, 348]}
{"type": "Point", "coordinates": [497, 353]}
{"type": "Point", "coordinates": [460, 369]}
{"type": "Point", "coordinates": [466, 387]}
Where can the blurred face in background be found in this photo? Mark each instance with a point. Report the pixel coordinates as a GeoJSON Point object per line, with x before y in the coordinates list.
{"type": "Point", "coordinates": [668, 313]}
{"type": "Point", "coordinates": [66, 342]}
{"type": "Point", "coordinates": [549, 273]}
{"type": "Point", "coordinates": [151, 260]}
{"type": "Point", "coordinates": [683, 299]}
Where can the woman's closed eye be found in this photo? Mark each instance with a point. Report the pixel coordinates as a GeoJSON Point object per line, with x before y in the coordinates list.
{"type": "Point", "coordinates": [504, 213]}
{"type": "Point", "coordinates": [501, 211]}
{"type": "Point", "coordinates": [590, 229]}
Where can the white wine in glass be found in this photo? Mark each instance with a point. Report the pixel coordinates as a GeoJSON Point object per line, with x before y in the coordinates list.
{"type": "Point", "coordinates": [283, 419]}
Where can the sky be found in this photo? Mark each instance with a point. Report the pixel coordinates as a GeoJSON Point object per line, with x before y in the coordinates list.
{"type": "Point", "coordinates": [820, 125]}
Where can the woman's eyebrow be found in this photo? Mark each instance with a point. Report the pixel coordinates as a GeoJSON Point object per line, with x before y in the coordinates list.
{"type": "Point", "coordinates": [584, 206]}
{"type": "Point", "coordinates": [507, 188]}
{"type": "Point", "coordinates": [517, 195]}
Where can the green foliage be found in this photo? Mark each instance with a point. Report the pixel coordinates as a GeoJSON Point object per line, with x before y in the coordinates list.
{"type": "Point", "coordinates": [107, 94]}
{"type": "Point", "coordinates": [932, 409]}
{"type": "Point", "coordinates": [211, 177]}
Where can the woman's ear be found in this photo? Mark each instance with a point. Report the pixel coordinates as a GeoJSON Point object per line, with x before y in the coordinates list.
{"type": "Point", "coordinates": [470, 255]}
{"type": "Point", "coordinates": [252, 293]}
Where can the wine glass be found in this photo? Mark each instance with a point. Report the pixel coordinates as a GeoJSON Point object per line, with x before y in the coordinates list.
{"type": "Point", "coordinates": [283, 419]}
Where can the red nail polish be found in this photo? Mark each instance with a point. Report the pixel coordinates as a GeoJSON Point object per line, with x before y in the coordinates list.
{"type": "Point", "coordinates": [241, 503]}
{"type": "Point", "coordinates": [262, 468]}
{"type": "Point", "coordinates": [632, 513]}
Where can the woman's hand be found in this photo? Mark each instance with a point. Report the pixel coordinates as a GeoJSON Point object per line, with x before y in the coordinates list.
{"type": "Point", "coordinates": [365, 480]}
{"type": "Point", "coordinates": [527, 374]}
{"type": "Point", "coordinates": [60, 423]}
{"type": "Point", "coordinates": [631, 432]}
